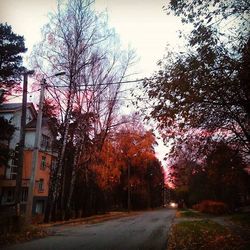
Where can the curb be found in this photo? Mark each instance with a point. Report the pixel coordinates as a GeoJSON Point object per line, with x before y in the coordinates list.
{"type": "Point", "coordinates": [89, 220]}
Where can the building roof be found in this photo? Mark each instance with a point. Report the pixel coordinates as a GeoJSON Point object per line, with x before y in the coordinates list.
{"type": "Point", "coordinates": [14, 107]}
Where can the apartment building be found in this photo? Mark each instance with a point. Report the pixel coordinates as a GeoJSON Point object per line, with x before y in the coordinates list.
{"type": "Point", "coordinates": [46, 159]}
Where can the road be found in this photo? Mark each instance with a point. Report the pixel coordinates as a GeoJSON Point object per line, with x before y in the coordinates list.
{"type": "Point", "coordinates": [147, 230]}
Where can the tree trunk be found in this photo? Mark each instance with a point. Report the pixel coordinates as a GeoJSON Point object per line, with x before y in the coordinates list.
{"type": "Point", "coordinates": [57, 180]}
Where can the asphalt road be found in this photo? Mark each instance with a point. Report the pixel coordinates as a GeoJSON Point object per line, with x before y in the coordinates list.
{"type": "Point", "coordinates": [147, 230]}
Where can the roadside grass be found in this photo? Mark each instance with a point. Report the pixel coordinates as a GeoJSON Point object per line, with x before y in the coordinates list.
{"type": "Point", "coordinates": [26, 234]}
{"type": "Point", "coordinates": [242, 219]}
{"type": "Point", "coordinates": [202, 234]}
{"type": "Point", "coordinates": [189, 213]}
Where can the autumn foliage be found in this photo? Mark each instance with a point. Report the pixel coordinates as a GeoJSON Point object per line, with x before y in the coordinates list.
{"type": "Point", "coordinates": [102, 182]}
{"type": "Point", "coordinates": [130, 148]}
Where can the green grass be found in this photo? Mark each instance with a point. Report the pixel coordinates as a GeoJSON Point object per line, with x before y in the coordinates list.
{"type": "Point", "coordinates": [203, 234]}
{"type": "Point", "coordinates": [190, 213]}
{"type": "Point", "coordinates": [242, 219]}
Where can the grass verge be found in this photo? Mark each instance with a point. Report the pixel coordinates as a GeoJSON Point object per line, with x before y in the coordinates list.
{"type": "Point", "coordinates": [26, 234]}
{"type": "Point", "coordinates": [202, 234]}
{"type": "Point", "coordinates": [188, 213]}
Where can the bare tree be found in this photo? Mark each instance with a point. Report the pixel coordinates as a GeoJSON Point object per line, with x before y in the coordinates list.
{"type": "Point", "coordinates": [79, 42]}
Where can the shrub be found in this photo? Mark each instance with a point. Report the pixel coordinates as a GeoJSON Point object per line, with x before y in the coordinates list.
{"type": "Point", "coordinates": [212, 207]}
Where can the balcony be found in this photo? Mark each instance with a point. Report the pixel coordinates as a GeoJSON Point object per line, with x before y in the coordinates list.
{"type": "Point", "coordinates": [12, 183]}
{"type": "Point", "coordinates": [7, 183]}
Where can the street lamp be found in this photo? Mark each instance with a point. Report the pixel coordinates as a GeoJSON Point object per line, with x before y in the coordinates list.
{"type": "Point", "coordinates": [36, 149]}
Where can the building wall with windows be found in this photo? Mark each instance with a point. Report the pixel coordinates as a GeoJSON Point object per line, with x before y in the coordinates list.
{"type": "Point", "coordinates": [46, 160]}
{"type": "Point", "coordinates": [13, 114]}
{"type": "Point", "coordinates": [45, 142]}
{"type": "Point", "coordinates": [42, 171]}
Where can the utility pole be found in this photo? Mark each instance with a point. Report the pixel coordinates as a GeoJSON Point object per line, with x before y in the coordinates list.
{"type": "Point", "coordinates": [19, 177]}
{"type": "Point", "coordinates": [29, 205]}
{"type": "Point", "coordinates": [35, 155]}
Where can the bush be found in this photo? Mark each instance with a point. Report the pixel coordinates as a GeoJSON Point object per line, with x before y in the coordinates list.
{"type": "Point", "coordinates": [212, 207]}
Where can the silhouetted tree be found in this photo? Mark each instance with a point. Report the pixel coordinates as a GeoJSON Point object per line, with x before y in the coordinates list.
{"type": "Point", "coordinates": [11, 46]}
{"type": "Point", "coordinates": [221, 176]}
{"type": "Point", "coordinates": [227, 177]}
{"type": "Point", "coordinates": [207, 85]}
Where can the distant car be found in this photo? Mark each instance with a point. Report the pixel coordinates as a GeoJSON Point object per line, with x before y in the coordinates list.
{"type": "Point", "coordinates": [173, 204]}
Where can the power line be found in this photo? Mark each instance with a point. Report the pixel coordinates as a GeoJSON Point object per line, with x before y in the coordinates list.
{"type": "Point", "coordinates": [100, 84]}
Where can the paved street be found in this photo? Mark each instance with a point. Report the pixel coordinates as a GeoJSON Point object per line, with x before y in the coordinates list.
{"type": "Point", "coordinates": [148, 230]}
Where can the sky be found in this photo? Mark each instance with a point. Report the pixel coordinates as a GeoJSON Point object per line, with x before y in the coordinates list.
{"type": "Point", "coordinates": [141, 24]}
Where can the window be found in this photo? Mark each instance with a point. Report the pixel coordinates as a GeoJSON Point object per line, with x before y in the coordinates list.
{"type": "Point", "coordinates": [53, 165]}
{"type": "Point", "coordinates": [45, 141]}
{"type": "Point", "coordinates": [8, 196]}
{"type": "Point", "coordinates": [39, 207]}
{"type": "Point", "coordinates": [11, 171]}
{"type": "Point", "coordinates": [43, 162]}
{"type": "Point", "coordinates": [29, 118]}
{"type": "Point", "coordinates": [24, 194]}
{"type": "Point", "coordinates": [15, 156]}
{"type": "Point", "coordinates": [41, 185]}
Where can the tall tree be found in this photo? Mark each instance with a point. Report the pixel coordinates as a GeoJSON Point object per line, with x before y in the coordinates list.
{"type": "Point", "coordinates": [79, 42]}
{"type": "Point", "coordinates": [11, 47]}
{"type": "Point", "coordinates": [204, 87]}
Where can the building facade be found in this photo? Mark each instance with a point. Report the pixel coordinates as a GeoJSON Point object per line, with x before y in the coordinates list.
{"type": "Point", "coordinates": [46, 159]}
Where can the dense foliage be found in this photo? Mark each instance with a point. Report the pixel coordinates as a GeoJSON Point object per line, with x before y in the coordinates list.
{"type": "Point", "coordinates": [102, 180]}
{"type": "Point", "coordinates": [11, 46]}
{"type": "Point", "coordinates": [221, 176]}
{"type": "Point", "coordinates": [206, 87]}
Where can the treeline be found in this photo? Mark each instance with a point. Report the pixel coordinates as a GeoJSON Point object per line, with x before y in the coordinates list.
{"type": "Point", "coordinates": [95, 157]}
{"type": "Point", "coordinates": [123, 174]}
{"type": "Point", "coordinates": [220, 175]}
{"type": "Point", "coordinates": [201, 101]}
